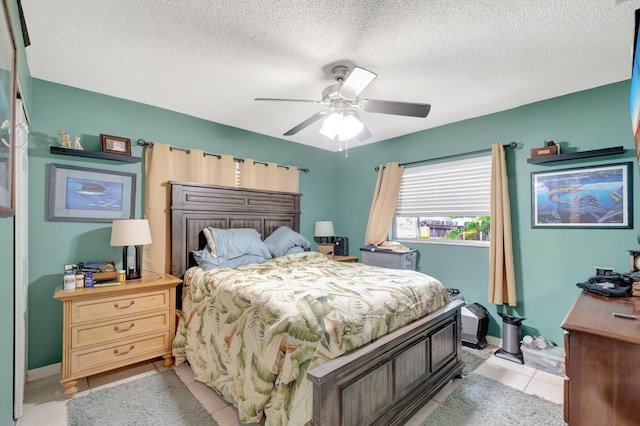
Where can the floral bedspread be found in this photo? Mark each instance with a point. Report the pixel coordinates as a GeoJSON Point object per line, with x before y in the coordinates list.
{"type": "Point", "coordinates": [253, 332]}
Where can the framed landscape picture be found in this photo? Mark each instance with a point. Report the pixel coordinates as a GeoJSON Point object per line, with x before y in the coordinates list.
{"type": "Point", "coordinates": [79, 194]}
{"type": "Point", "coordinates": [584, 197]}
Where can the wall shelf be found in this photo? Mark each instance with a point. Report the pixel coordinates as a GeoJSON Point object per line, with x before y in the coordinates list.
{"type": "Point", "coordinates": [94, 154]}
{"type": "Point", "coordinates": [576, 155]}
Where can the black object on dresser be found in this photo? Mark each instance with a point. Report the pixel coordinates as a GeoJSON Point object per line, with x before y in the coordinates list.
{"type": "Point", "coordinates": [341, 246]}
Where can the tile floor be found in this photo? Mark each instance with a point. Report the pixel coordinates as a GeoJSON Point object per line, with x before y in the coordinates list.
{"type": "Point", "coordinates": [45, 404]}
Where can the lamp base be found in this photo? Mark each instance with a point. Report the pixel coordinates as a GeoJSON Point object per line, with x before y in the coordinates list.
{"type": "Point", "coordinates": [501, 353]}
{"type": "Point", "coordinates": [132, 274]}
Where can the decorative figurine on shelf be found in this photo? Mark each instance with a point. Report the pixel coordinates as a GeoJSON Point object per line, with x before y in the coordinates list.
{"type": "Point", "coordinates": [76, 143]}
{"type": "Point", "coordinates": [65, 142]}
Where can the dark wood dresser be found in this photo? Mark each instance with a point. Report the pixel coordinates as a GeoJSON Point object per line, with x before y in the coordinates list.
{"type": "Point", "coordinates": [602, 386]}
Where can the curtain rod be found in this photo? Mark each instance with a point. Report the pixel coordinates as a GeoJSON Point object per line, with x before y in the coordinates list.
{"type": "Point", "coordinates": [142, 142]}
{"type": "Point", "coordinates": [510, 145]}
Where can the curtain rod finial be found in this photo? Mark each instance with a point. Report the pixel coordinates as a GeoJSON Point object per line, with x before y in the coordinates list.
{"type": "Point", "coordinates": [514, 145]}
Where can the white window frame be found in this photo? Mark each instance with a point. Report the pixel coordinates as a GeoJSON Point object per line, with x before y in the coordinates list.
{"type": "Point", "coordinates": [460, 187]}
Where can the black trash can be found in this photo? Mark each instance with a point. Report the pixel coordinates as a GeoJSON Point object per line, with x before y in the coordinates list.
{"type": "Point", "coordinates": [510, 339]}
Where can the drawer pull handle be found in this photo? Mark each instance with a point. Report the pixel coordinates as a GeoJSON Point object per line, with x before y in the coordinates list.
{"type": "Point", "coordinates": [117, 353]}
{"type": "Point", "coordinates": [117, 329]}
{"type": "Point", "coordinates": [124, 307]}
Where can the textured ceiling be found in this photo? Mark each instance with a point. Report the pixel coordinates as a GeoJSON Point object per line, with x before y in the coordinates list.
{"type": "Point", "coordinates": [210, 59]}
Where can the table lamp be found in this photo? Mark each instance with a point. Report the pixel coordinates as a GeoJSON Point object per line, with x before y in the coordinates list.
{"type": "Point", "coordinates": [131, 232]}
{"type": "Point", "coordinates": [324, 231]}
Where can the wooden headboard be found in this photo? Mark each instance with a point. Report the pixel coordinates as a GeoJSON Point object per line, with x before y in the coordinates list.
{"type": "Point", "coordinates": [195, 206]}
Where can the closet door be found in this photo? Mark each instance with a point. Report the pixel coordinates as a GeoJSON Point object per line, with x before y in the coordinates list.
{"type": "Point", "coordinates": [21, 258]}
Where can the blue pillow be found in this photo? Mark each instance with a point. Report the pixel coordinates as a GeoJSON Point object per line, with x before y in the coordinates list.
{"type": "Point", "coordinates": [283, 239]}
{"type": "Point", "coordinates": [232, 243]}
{"type": "Point", "coordinates": [295, 249]}
{"type": "Point", "coordinates": [206, 261]}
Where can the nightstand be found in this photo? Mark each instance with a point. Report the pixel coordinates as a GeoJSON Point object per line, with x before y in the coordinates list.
{"type": "Point", "coordinates": [111, 327]}
{"type": "Point", "coordinates": [350, 259]}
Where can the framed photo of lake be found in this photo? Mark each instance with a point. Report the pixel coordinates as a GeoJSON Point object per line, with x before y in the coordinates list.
{"type": "Point", "coordinates": [584, 197]}
{"type": "Point", "coordinates": [80, 194]}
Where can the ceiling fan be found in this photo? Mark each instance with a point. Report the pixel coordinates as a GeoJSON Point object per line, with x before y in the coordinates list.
{"type": "Point", "coordinates": [344, 103]}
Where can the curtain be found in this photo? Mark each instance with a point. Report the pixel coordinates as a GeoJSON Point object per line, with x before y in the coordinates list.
{"type": "Point", "coordinates": [383, 206]}
{"type": "Point", "coordinates": [502, 283]}
{"type": "Point", "coordinates": [268, 176]}
{"type": "Point", "coordinates": [163, 163]}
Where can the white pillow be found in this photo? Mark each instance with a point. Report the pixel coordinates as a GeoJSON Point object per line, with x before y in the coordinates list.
{"type": "Point", "coordinates": [211, 243]}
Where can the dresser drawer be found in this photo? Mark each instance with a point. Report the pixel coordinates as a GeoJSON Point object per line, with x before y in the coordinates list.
{"type": "Point", "coordinates": [124, 352]}
{"type": "Point", "coordinates": [117, 306]}
{"type": "Point", "coordinates": [131, 326]}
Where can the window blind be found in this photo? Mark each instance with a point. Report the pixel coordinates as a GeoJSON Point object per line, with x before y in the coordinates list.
{"type": "Point", "coordinates": [452, 188]}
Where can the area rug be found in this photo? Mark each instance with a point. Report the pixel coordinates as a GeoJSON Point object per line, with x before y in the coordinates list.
{"type": "Point", "coordinates": [480, 401]}
{"type": "Point", "coordinates": [158, 399]}
{"type": "Point", "coordinates": [473, 358]}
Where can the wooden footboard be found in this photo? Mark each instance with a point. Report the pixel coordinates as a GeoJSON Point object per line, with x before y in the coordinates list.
{"type": "Point", "coordinates": [387, 381]}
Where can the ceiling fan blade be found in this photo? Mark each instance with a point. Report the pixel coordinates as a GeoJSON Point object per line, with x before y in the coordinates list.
{"type": "Point", "coordinates": [309, 121]}
{"type": "Point", "coordinates": [396, 108]}
{"type": "Point", "coordinates": [357, 80]}
{"type": "Point", "coordinates": [364, 133]}
{"type": "Point", "coordinates": [289, 100]}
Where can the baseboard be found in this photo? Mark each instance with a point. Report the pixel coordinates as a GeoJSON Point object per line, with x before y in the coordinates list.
{"type": "Point", "coordinates": [494, 341]}
{"type": "Point", "coordinates": [42, 372]}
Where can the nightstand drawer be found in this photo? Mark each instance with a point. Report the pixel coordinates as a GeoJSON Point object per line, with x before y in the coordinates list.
{"type": "Point", "coordinates": [111, 307]}
{"type": "Point", "coordinates": [122, 353]}
{"type": "Point", "coordinates": [90, 334]}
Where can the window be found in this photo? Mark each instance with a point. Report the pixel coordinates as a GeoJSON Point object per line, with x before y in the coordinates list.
{"type": "Point", "coordinates": [445, 201]}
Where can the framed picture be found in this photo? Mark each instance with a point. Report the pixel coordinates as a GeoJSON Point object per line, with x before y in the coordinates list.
{"type": "Point", "coordinates": [79, 194]}
{"type": "Point", "coordinates": [7, 113]}
{"type": "Point", "coordinates": [584, 197]}
{"type": "Point", "coordinates": [115, 145]}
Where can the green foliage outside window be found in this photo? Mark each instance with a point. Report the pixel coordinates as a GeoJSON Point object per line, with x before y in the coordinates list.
{"type": "Point", "coordinates": [478, 227]}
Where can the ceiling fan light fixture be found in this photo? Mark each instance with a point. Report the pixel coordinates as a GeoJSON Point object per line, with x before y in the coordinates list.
{"type": "Point", "coordinates": [331, 125]}
{"type": "Point", "coordinates": [342, 120]}
{"type": "Point", "coordinates": [344, 126]}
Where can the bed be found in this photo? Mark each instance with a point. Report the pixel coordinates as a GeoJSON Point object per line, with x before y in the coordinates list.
{"type": "Point", "coordinates": [384, 381]}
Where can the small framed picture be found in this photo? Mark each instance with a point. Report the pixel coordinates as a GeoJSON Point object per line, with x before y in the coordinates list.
{"type": "Point", "coordinates": [115, 145]}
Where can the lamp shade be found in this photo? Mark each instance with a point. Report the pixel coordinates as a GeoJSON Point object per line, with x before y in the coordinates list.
{"type": "Point", "coordinates": [130, 232]}
{"type": "Point", "coordinates": [324, 228]}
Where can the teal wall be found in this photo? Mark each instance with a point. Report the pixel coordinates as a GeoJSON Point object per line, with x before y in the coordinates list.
{"type": "Point", "coordinates": [86, 114]}
{"type": "Point", "coordinates": [548, 262]}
